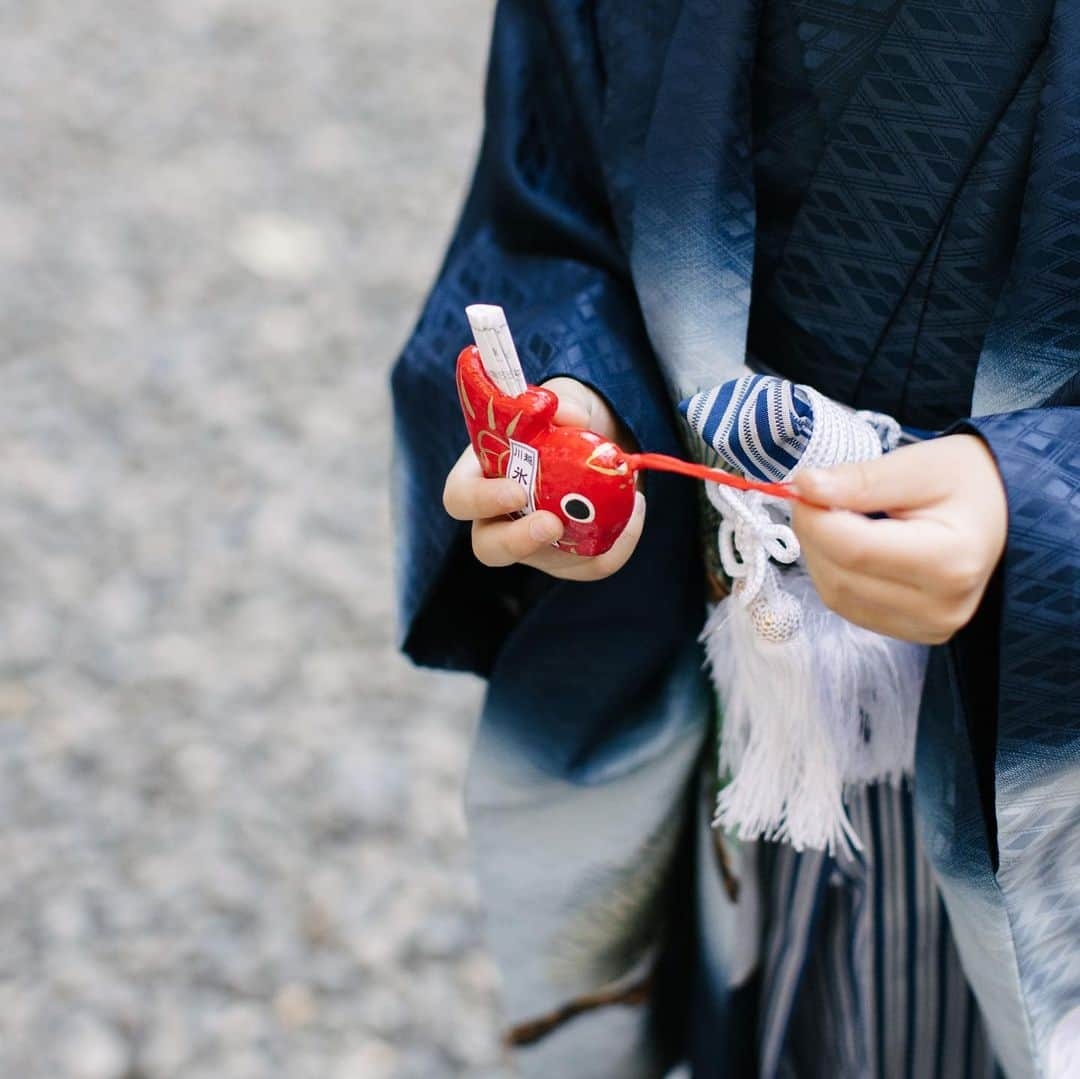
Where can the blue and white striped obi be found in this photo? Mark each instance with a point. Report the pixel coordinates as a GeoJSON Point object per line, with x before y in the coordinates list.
{"type": "Point", "coordinates": [768, 428]}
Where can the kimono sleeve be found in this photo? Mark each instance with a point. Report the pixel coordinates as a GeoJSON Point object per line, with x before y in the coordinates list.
{"type": "Point", "coordinates": [535, 236]}
{"type": "Point", "coordinates": [1032, 784]}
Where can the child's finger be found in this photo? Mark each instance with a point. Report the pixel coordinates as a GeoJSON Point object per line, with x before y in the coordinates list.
{"type": "Point", "coordinates": [572, 567]}
{"type": "Point", "coordinates": [580, 406]}
{"type": "Point", "coordinates": [905, 550]}
{"type": "Point", "coordinates": [502, 543]}
{"type": "Point", "coordinates": [468, 496]}
{"type": "Point", "coordinates": [898, 609]}
{"type": "Point", "coordinates": [575, 406]}
{"type": "Point", "coordinates": [619, 554]}
{"type": "Point", "coordinates": [904, 479]}
{"type": "Point", "coordinates": [894, 622]}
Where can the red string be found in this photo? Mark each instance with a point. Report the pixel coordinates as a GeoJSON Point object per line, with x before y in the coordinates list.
{"type": "Point", "coordinates": [660, 462]}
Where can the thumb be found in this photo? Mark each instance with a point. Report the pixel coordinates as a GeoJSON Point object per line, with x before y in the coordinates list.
{"type": "Point", "coordinates": [575, 405]}
{"type": "Point", "coordinates": [895, 481]}
{"type": "Point", "coordinates": [581, 406]}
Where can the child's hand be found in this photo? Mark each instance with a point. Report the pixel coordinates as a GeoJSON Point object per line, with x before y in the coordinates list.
{"type": "Point", "coordinates": [496, 541]}
{"type": "Point", "coordinates": [920, 574]}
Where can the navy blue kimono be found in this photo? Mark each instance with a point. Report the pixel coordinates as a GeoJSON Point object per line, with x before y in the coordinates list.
{"type": "Point", "coordinates": [880, 198]}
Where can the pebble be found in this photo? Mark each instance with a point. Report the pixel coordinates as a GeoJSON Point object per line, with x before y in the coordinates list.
{"type": "Point", "coordinates": [295, 1006]}
{"type": "Point", "coordinates": [90, 1049]}
{"type": "Point", "coordinates": [278, 247]}
{"type": "Point", "coordinates": [374, 1060]}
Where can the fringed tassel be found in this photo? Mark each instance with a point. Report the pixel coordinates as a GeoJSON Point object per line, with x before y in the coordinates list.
{"type": "Point", "coordinates": [834, 704]}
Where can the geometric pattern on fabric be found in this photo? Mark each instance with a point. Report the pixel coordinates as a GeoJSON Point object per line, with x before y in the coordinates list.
{"type": "Point", "coordinates": [1037, 772]}
{"type": "Point", "coordinates": [810, 56]}
{"type": "Point", "coordinates": [693, 280]}
{"type": "Point", "coordinates": [1035, 343]}
{"type": "Point", "coordinates": [903, 137]}
{"type": "Point", "coordinates": [934, 345]}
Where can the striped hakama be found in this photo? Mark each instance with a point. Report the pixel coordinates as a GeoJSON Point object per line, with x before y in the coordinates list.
{"type": "Point", "coordinates": [860, 976]}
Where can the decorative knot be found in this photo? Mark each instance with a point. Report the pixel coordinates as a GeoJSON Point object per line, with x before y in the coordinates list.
{"type": "Point", "coordinates": [749, 537]}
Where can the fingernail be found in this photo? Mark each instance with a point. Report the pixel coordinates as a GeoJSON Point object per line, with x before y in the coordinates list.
{"type": "Point", "coordinates": [639, 502]}
{"type": "Point", "coordinates": [512, 498]}
{"type": "Point", "coordinates": [543, 529]}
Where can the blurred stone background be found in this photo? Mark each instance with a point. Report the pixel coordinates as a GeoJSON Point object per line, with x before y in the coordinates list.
{"type": "Point", "coordinates": [231, 840]}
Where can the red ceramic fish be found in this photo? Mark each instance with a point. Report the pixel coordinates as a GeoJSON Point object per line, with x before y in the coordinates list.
{"type": "Point", "coordinates": [584, 479]}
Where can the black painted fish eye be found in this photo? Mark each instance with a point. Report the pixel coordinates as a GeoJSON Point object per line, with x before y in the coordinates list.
{"type": "Point", "coordinates": [578, 508]}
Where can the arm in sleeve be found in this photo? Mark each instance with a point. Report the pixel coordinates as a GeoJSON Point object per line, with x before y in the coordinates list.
{"type": "Point", "coordinates": [1019, 667]}
{"type": "Point", "coordinates": [536, 237]}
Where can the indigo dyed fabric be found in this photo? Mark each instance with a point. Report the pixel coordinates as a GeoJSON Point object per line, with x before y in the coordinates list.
{"type": "Point", "coordinates": [878, 198]}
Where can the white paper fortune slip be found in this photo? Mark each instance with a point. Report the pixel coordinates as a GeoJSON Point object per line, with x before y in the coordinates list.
{"type": "Point", "coordinates": [500, 358]}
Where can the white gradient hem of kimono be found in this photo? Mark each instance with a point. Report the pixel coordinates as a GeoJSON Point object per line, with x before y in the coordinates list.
{"type": "Point", "coordinates": [895, 222]}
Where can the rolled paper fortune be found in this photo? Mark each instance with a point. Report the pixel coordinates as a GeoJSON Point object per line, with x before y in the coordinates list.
{"type": "Point", "coordinates": [497, 351]}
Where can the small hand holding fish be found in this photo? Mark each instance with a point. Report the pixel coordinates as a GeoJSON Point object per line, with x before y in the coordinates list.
{"type": "Point", "coordinates": [498, 541]}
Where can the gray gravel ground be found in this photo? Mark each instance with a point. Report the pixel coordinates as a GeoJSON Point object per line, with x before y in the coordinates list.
{"type": "Point", "coordinates": [232, 843]}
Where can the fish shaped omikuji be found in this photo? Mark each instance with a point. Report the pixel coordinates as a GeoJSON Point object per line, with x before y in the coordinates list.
{"type": "Point", "coordinates": [586, 480]}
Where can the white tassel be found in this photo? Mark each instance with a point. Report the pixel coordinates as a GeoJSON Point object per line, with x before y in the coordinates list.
{"type": "Point", "coordinates": [811, 704]}
{"type": "Point", "coordinates": [833, 704]}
